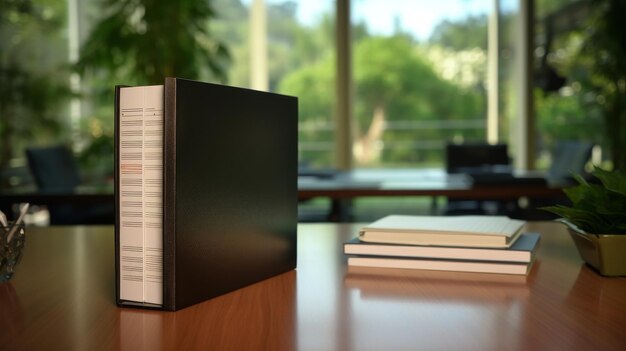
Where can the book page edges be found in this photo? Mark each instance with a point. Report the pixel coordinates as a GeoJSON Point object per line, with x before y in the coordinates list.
{"type": "Point", "coordinates": [455, 225]}
{"type": "Point", "coordinates": [415, 251]}
{"type": "Point", "coordinates": [438, 238]}
{"type": "Point", "coordinates": [460, 240]}
{"type": "Point", "coordinates": [457, 266]}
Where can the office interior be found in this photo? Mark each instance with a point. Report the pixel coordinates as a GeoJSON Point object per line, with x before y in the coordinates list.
{"type": "Point", "coordinates": [386, 90]}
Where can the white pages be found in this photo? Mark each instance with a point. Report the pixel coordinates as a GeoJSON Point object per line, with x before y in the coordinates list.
{"type": "Point", "coordinates": [464, 231]}
{"type": "Point", "coordinates": [141, 194]}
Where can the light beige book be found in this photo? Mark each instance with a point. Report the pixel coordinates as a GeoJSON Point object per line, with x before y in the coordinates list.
{"type": "Point", "coordinates": [441, 265]}
{"type": "Point", "coordinates": [462, 231]}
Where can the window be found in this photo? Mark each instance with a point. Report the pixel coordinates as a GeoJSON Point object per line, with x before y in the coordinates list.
{"type": "Point", "coordinates": [569, 105]}
{"type": "Point", "coordinates": [287, 47]}
{"type": "Point", "coordinates": [420, 79]}
{"type": "Point", "coordinates": [418, 68]}
{"type": "Point", "coordinates": [420, 74]}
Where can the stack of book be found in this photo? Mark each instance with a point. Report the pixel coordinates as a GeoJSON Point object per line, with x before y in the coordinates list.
{"type": "Point", "coordinates": [486, 244]}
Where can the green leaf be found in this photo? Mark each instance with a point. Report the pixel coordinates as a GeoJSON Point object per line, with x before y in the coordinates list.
{"type": "Point", "coordinates": [605, 199]}
{"type": "Point", "coordinates": [577, 193]}
{"type": "Point", "coordinates": [614, 181]}
{"type": "Point", "coordinates": [582, 218]}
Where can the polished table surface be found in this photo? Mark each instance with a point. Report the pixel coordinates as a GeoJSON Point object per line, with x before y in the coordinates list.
{"type": "Point", "coordinates": [62, 297]}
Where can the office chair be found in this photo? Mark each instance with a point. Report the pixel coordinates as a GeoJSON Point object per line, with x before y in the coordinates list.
{"type": "Point", "coordinates": [483, 163]}
{"type": "Point", "coordinates": [569, 158]}
{"type": "Point", "coordinates": [478, 158]}
{"type": "Point", "coordinates": [54, 169]}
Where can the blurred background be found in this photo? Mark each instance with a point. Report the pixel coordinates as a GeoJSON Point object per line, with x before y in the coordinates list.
{"type": "Point", "coordinates": [419, 74]}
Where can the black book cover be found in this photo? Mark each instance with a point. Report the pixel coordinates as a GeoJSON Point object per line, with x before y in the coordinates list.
{"type": "Point", "coordinates": [230, 189]}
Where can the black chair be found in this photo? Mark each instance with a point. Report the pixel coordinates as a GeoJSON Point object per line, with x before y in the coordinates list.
{"type": "Point", "coordinates": [483, 163]}
{"type": "Point", "coordinates": [478, 159]}
{"type": "Point", "coordinates": [569, 158]}
{"type": "Point", "coordinates": [54, 170]}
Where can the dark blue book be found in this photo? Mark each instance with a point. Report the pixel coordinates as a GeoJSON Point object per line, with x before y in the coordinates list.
{"type": "Point", "coordinates": [522, 251]}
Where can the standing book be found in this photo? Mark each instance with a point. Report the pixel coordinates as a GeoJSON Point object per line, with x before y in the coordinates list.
{"type": "Point", "coordinates": [206, 191]}
{"type": "Point", "coordinates": [463, 231]}
{"type": "Point", "coordinates": [522, 251]}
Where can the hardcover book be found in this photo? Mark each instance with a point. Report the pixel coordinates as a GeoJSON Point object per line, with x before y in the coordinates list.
{"type": "Point", "coordinates": [205, 189]}
{"type": "Point", "coordinates": [523, 250]}
{"type": "Point", "coordinates": [464, 231]}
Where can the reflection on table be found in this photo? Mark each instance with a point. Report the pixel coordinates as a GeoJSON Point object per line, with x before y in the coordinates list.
{"type": "Point", "coordinates": [63, 297]}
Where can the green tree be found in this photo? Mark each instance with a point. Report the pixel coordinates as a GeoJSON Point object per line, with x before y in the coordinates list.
{"type": "Point", "coordinates": [314, 86]}
{"type": "Point", "coordinates": [392, 83]}
{"type": "Point", "coordinates": [467, 33]}
{"type": "Point", "coordinates": [33, 81]}
{"type": "Point", "coordinates": [592, 105]}
{"type": "Point", "coordinates": [290, 44]}
{"type": "Point", "coordinates": [231, 25]}
{"type": "Point", "coordinates": [566, 118]}
{"type": "Point", "coordinates": [143, 41]}
{"type": "Point", "coordinates": [138, 42]}
{"type": "Point", "coordinates": [603, 54]}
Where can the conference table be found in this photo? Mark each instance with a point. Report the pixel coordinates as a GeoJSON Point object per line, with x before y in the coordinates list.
{"type": "Point", "coordinates": [63, 298]}
{"type": "Point", "coordinates": [425, 182]}
{"type": "Point", "coordinates": [343, 187]}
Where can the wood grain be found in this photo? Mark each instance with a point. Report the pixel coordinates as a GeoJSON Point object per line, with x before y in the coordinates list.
{"type": "Point", "coordinates": [62, 297]}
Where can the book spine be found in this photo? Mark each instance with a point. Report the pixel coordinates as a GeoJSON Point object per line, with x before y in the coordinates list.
{"type": "Point", "coordinates": [116, 187]}
{"type": "Point", "coordinates": [169, 195]}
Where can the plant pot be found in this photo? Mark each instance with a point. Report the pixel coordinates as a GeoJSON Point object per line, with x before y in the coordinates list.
{"type": "Point", "coordinates": [604, 252]}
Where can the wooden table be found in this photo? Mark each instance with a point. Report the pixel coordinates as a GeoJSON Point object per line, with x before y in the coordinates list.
{"type": "Point", "coordinates": [62, 297]}
{"type": "Point", "coordinates": [423, 182]}
{"type": "Point", "coordinates": [344, 187]}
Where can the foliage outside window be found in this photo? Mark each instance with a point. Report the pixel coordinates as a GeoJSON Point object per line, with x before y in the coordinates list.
{"type": "Point", "coordinates": [411, 94]}
{"type": "Point", "coordinates": [33, 76]}
{"type": "Point", "coordinates": [142, 42]}
{"type": "Point", "coordinates": [589, 57]}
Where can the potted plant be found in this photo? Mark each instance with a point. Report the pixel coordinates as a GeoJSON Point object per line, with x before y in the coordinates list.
{"type": "Point", "coordinates": [596, 220]}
